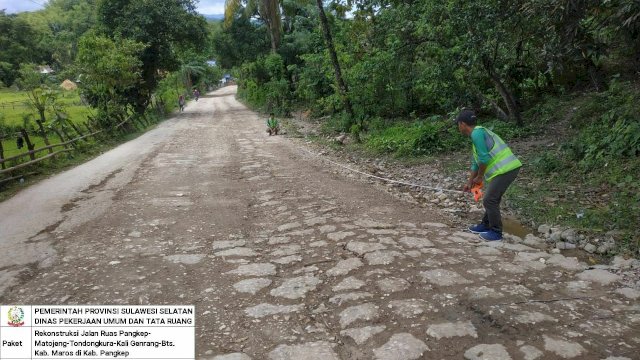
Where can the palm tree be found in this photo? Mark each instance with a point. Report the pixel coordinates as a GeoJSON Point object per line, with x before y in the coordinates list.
{"type": "Point", "coordinates": [189, 70]}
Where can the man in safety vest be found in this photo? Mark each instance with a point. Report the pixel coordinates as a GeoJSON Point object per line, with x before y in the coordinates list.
{"type": "Point", "coordinates": [493, 164]}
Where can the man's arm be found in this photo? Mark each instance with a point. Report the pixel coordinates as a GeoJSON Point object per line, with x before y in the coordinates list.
{"type": "Point", "coordinates": [480, 173]}
{"type": "Point", "coordinates": [478, 138]}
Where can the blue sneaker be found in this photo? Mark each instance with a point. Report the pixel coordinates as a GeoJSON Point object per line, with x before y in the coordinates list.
{"type": "Point", "coordinates": [478, 229]}
{"type": "Point", "coordinates": [491, 235]}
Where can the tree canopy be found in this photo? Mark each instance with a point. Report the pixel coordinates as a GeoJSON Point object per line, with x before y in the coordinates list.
{"type": "Point", "coordinates": [432, 57]}
{"type": "Point", "coordinates": [164, 26]}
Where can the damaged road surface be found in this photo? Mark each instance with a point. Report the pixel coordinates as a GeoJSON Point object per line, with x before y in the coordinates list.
{"type": "Point", "coordinates": [284, 258]}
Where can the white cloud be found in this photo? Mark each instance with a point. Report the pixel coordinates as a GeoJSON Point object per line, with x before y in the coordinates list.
{"type": "Point", "coordinates": [13, 6]}
{"type": "Point", "coordinates": [211, 7]}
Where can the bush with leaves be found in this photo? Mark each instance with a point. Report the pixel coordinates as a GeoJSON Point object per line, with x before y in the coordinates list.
{"type": "Point", "coordinates": [264, 84]}
{"type": "Point", "coordinates": [610, 130]}
{"type": "Point", "coordinates": [425, 137]}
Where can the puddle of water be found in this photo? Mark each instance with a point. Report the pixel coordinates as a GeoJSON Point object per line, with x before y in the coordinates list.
{"type": "Point", "coordinates": [514, 227]}
{"type": "Point", "coordinates": [581, 255]}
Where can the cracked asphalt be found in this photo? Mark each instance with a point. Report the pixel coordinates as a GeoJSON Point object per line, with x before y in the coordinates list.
{"type": "Point", "coordinates": [286, 258]}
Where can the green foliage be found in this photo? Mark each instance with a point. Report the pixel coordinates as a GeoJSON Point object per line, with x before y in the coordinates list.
{"type": "Point", "coordinates": [504, 58]}
{"type": "Point", "coordinates": [430, 136]}
{"type": "Point", "coordinates": [507, 131]}
{"type": "Point", "coordinates": [549, 110]}
{"type": "Point", "coordinates": [609, 128]}
{"type": "Point", "coordinates": [109, 67]}
{"type": "Point", "coordinates": [59, 27]}
{"type": "Point", "coordinates": [111, 71]}
{"type": "Point", "coordinates": [547, 163]}
{"type": "Point", "coordinates": [242, 41]}
{"type": "Point", "coordinates": [165, 27]}
{"type": "Point", "coordinates": [13, 105]}
{"type": "Point", "coordinates": [314, 84]}
{"type": "Point", "coordinates": [606, 200]}
{"type": "Point", "coordinates": [420, 138]}
{"type": "Point", "coordinates": [18, 45]}
{"type": "Point", "coordinates": [600, 160]}
{"type": "Point", "coordinates": [263, 85]}
{"type": "Point", "coordinates": [337, 123]}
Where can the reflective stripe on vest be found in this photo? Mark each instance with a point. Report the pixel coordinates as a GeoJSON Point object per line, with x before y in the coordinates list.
{"type": "Point", "coordinates": [502, 158]}
{"type": "Point", "coordinates": [500, 165]}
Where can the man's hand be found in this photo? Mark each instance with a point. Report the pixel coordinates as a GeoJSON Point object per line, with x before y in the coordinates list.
{"type": "Point", "coordinates": [476, 180]}
{"type": "Point", "coordinates": [471, 183]}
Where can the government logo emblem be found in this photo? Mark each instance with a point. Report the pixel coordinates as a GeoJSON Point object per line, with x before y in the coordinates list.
{"type": "Point", "coordinates": [16, 316]}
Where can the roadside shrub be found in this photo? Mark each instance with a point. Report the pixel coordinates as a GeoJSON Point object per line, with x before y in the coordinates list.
{"type": "Point", "coordinates": [547, 163]}
{"type": "Point", "coordinates": [340, 122]}
{"type": "Point", "coordinates": [549, 110]}
{"type": "Point", "coordinates": [264, 84]}
{"type": "Point", "coordinates": [169, 89]}
{"type": "Point", "coordinates": [314, 84]}
{"type": "Point", "coordinates": [420, 138]}
{"type": "Point", "coordinates": [620, 95]}
{"type": "Point", "coordinates": [614, 132]}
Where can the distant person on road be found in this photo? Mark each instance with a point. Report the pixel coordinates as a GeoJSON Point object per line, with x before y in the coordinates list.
{"type": "Point", "coordinates": [494, 165]}
{"type": "Point", "coordinates": [196, 94]}
{"type": "Point", "coordinates": [181, 102]}
{"type": "Point", "coordinates": [272, 125]}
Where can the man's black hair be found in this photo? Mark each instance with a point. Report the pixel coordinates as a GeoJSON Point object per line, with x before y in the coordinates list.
{"type": "Point", "coordinates": [272, 114]}
{"type": "Point", "coordinates": [468, 117]}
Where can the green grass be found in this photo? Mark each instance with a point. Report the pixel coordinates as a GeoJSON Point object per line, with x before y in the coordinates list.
{"type": "Point", "coordinates": [11, 149]}
{"type": "Point", "coordinates": [559, 190]}
{"type": "Point", "coordinates": [47, 167]}
{"type": "Point", "coordinates": [14, 106]}
{"type": "Point", "coordinates": [85, 152]}
{"type": "Point", "coordinates": [7, 95]}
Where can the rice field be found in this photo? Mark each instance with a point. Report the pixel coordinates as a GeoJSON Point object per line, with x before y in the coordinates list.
{"type": "Point", "coordinates": [14, 108]}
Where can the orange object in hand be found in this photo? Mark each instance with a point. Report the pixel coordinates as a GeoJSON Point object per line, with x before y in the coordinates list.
{"type": "Point", "coordinates": [477, 192]}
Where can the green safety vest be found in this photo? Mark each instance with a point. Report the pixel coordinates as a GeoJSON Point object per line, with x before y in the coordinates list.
{"type": "Point", "coordinates": [272, 123]}
{"type": "Point", "coordinates": [502, 158]}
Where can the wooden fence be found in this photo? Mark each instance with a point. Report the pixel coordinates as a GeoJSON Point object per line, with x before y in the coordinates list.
{"type": "Point", "coordinates": [157, 104]}
{"type": "Point", "coordinates": [32, 152]}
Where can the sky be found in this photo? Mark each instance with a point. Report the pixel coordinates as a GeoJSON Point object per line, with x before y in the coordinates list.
{"type": "Point", "coordinates": [14, 6]}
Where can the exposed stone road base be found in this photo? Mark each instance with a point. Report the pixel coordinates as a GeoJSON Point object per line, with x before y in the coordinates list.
{"type": "Point", "coordinates": [285, 260]}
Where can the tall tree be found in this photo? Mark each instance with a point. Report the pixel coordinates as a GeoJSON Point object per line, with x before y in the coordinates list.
{"type": "Point", "coordinates": [241, 41]}
{"type": "Point", "coordinates": [268, 11]}
{"type": "Point", "coordinates": [60, 25]}
{"type": "Point", "coordinates": [341, 84]}
{"type": "Point", "coordinates": [163, 26]}
{"type": "Point", "coordinates": [111, 70]}
{"type": "Point", "coordinates": [18, 45]}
